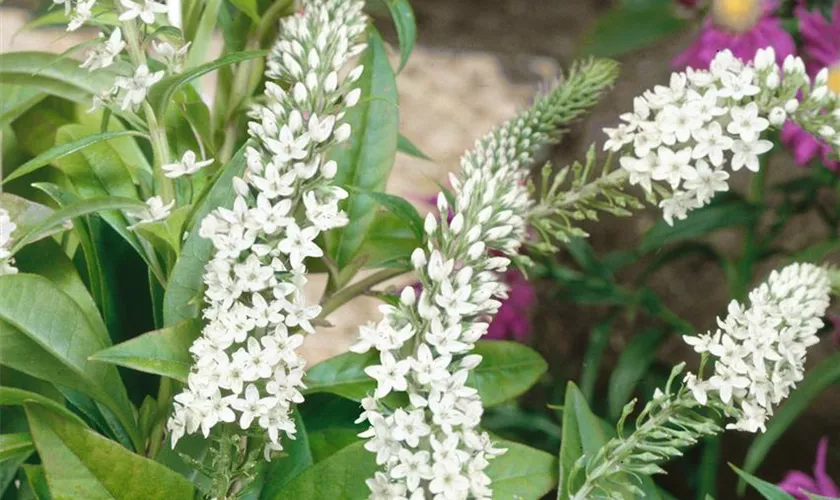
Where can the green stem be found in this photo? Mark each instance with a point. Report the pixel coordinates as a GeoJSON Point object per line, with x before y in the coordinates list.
{"type": "Point", "coordinates": [350, 292]}
{"type": "Point", "coordinates": [752, 249]}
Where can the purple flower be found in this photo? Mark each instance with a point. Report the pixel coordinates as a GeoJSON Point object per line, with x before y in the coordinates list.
{"type": "Point", "coordinates": [742, 26]}
{"type": "Point", "coordinates": [796, 482]}
{"type": "Point", "coordinates": [821, 49]}
{"type": "Point", "coordinates": [511, 322]}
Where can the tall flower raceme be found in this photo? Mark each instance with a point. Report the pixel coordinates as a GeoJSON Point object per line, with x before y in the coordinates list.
{"type": "Point", "coordinates": [7, 227]}
{"type": "Point", "coordinates": [246, 367]}
{"type": "Point", "coordinates": [821, 51]}
{"type": "Point", "coordinates": [431, 446]}
{"type": "Point", "coordinates": [759, 355]}
{"type": "Point", "coordinates": [681, 141]}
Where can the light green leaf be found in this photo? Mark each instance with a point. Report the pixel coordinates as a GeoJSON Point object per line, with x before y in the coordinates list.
{"type": "Point", "coordinates": [767, 490]}
{"type": "Point", "coordinates": [13, 444]}
{"type": "Point", "coordinates": [366, 159]}
{"type": "Point", "coordinates": [247, 7]}
{"type": "Point", "coordinates": [633, 363]}
{"type": "Point", "coordinates": [582, 433]}
{"type": "Point", "coordinates": [186, 282]}
{"type": "Point", "coordinates": [55, 346]}
{"type": "Point", "coordinates": [17, 99]}
{"type": "Point", "coordinates": [12, 396]}
{"type": "Point", "coordinates": [522, 472]}
{"type": "Point", "coordinates": [163, 92]}
{"type": "Point", "coordinates": [26, 214]}
{"type": "Point", "coordinates": [401, 208]}
{"type": "Point", "coordinates": [389, 242]}
{"type": "Point", "coordinates": [341, 476]}
{"type": "Point", "coordinates": [37, 481]}
{"type": "Point", "coordinates": [406, 27]}
{"type": "Point", "coordinates": [53, 75]}
{"type": "Point", "coordinates": [162, 352]}
{"type": "Point", "coordinates": [343, 375]}
{"type": "Point", "coordinates": [79, 463]}
{"type": "Point", "coordinates": [63, 150]}
{"type": "Point", "coordinates": [9, 469]}
{"type": "Point", "coordinates": [404, 145]}
{"type": "Point", "coordinates": [816, 381]}
{"type": "Point", "coordinates": [631, 26]}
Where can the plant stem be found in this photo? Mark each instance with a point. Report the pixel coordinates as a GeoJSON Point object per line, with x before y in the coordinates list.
{"type": "Point", "coordinates": [350, 292]}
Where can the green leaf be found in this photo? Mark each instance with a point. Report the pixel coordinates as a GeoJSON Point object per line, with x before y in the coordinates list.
{"type": "Point", "coordinates": [186, 282]}
{"type": "Point", "coordinates": [389, 242]}
{"type": "Point", "coordinates": [631, 26]}
{"type": "Point", "coordinates": [162, 352]}
{"type": "Point", "coordinates": [767, 490]}
{"type": "Point", "coordinates": [522, 472]}
{"type": "Point", "coordinates": [507, 370]}
{"type": "Point", "coordinates": [12, 396]}
{"type": "Point", "coordinates": [162, 93]}
{"type": "Point", "coordinates": [635, 360]}
{"type": "Point", "coordinates": [280, 471]}
{"type": "Point", "coordinates": [17, 99]}
{"type": "Point", "coordinates": [83, 207]}
{"type": "Point", "coordinates": [25, 214]}
{"type": "Point", "coordinates": [55, 346]}
{"type": "Point", "coordinates": [598, 340]}
{"type": "Point", "coordinates": [366, 159]}
{"type": "Point", "coordinates": [13, 444]}
{"type": "Point", "coordinates": [401, 208]}
{"type": "Point", "coordinates": [247, 7]}
{"type": "Point", "coordinates": [63, 150]}
{"type": "Point", "coordinates": [407, 147]}
{"type": "Point", "coordinates": [53, 75]}
{"type": "Point", "coordinates": [327, 442]}
{"type": "Point", "coordinates": [341, 476]}
{"type": "Point", "coordinates": [582, 433]}
{"type": "Point", "coordinates": [406, 27]}
{"type": "Point", "coordinates": [9, 469]}
{"type": "Point", "coordinates": [37, 481]}
{"type": "Point", "coordinates": [816, 380]}
{"type": "Point", "coordinates": [80, 463]}
{"type": "Point", "coordinates": [730, 213]}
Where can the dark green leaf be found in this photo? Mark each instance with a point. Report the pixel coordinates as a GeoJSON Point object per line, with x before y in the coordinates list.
{"type": "Point", "coordinates": [700, 222]}
{"type": "Point", "coordinates": [162, 352]}
{"type": "Point", "coordinates": [522, 472]}
{"type": "Point", "coordinates": [406, 27]}
{"type": "Point", "coordinates": [12, 396]}
{"type": "Point", "coordinates": [54, 75]}
{"type": "Point", "coordinates": [9, 469]}
{"type": "Point", "coordinates": [636, 357]}
{"type": "Point", "coordinates": [389, 242]}
{"type": "Point", "coordinates": [14, 444]}
{"type": "Point", "coordinates": [401, 208]}
{"type": "Point", "coordinates": [280, 471]}
{"type": "Point", "coordinates": [816, 380]}
{"type": "Point", "coordinates": [37, 481]}
{"type": "Point", "coordinates": [80, 463]}
{"type": "Point", "coordinates": [630, 26]}
{"type": "Point", "coordinates": [582, 433]}
{"type": "Point", "coordinates": [366, 159]}
{"type": "Point", "coordinates": [406, 146]}
{"type": "Point", "coordinates": [327, 442]}
{"type": "Point", "coordinates": [598, 341]}
{"type": "Point", "coordinates": [767, 490]}
{"type": "Point", "coordinates": [343, 375]}
{"type": "Point", "coordinates": [339, 477]}
{"type": "Point", "coordinates": [247, 7]}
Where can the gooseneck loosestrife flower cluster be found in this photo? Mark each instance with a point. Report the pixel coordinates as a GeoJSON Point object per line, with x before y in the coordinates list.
{"type": "Point", "coordinates": [246, 367]}
{"type": "Point", "coordinates": [759, 355]}
{"type": "Point", "coordinates": [432, 447]}
{"type": "Point", "coordinates": [682, 140]}
{"type": "Point", "coordinates": [7, 227]}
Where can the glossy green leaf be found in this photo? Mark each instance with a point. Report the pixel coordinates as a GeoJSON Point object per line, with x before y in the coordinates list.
{"type": "Point", "coordinates": [63, 150]}
{"type": "Point", "coordinates": [631, 26]}
{"type": "Point", "coordinates": [339, 477]}
{"type": "Point", "coordinates": [406, 27]}
{"type": "Point", "coordinates": [404, 145]}
{"type": "Point", "coordinates": [12, 396]}
{"type": "Point", "coordinates": [402, 208]}
{"type": "Point", "coordinates": [55, 346]}
{"type": "Point", "coordinates": [79, 463]}
{"type": "Point", "coordinates": [816, 380]}
{"type": "Point", "coordinates": [366, 159]}
{"type": "Point", "coordinates": [13, 444]}
{"type": "Point", "coordinates": [389, 242]}
{"type": "Point", "coordinates": [330, 441]}
{"type": "Point", "coordinates": [522, 472]}
{"type": "Point", "coordinates": [633, 363]}
{"type": "Point", "coordinates": [280, 471]}
{"type": "Point", "coordinates": [343, 375]}
{"type": "Point", "coordinates": [26, 214]}
{"type": "Point", "coordinates": [53, 75]}
{"type": "Point", "coordinates": [162, 93]}
{"type": "Point", "coordinates": [186, 282]}
{"type": "Point", "coordinates": [162, 352]}
{"type": "Point", "coordinates": [582, 433]}
{"type": "Point", "coordinates": [767, 490]}
{"type": "Point", "coordinates": [17, 99]}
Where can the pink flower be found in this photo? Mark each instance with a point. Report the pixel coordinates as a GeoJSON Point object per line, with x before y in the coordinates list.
{"type": "Point", "coordinates": [821, 49]}
{"type": "Point", "coordinates": [796, 482]}
{"type": "Point", "coordinates": [742, 26]}
{"type": "Point", "coordinates": [511, 322]}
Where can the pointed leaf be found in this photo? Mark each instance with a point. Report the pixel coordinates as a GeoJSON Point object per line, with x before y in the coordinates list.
{"type": "Point", "coordinates": [162, 352]}
{"type": "Point", "coordinates": [80, 463]}
{"type": "Point", "coordinates": [633, 363]}
{"type": "Point", "coordinates": [404, 145]}
{"type": "Point", "coordinates": [582, 433]}
{"type": "Point", "coordinates": [767, 490]}
{"type": "Point", "coordinates": [13, 444]}
{"type": "Point", "coordinates": [12, 396]}
{"type": "Point", "coordinates": [401, 208]}
{"type": "Point", "coordinates": [341, 476]}
{"type": "Point", "coordinates": [522, 472]}
{"type": "Point", "coordinates": [406, 27]}
{"type": "Point", "coordinates": [17, 99]}
{"type": "Point", "coordinates": [54, 75]}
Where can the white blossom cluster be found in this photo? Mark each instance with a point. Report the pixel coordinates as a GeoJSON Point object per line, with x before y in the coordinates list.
{"type": "Point", "coordinates": [759, 350]}
{"type": "Point", "coordinates": [7, 227]}
{"type": "Point", "coordinates": [246, 367]}
{"type": "Point", "coordinates": [689, 134]}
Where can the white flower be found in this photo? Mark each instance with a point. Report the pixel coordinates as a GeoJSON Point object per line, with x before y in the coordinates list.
{"type": "Point", "coordinates": [711, 143]}
{"type": "Point", "coordinates": [390, 375]}
{"type": "Point", "coordinates": [82, 14]}
{"type": "Point", "coordinates": [673, 167]}
{"type": "Point", "coordinates": [740, 85]}
{"type": "Point", "coordinates": [618, 137]}
{"type": "Point", "coordinates": [187, 166]}
{"type": "Point", "coordinates": [7, 227]}
{"type": "Point", "coordinates": [413, 467]}
{"type": "Point", "coordinates": [746, 154]}
{"type": "Point", "coordinates": [136, 87]}
{"type": "Point", "coordinates": [252, 406]}
{"type": "Point", "coordinates": [746, 122]}
{"type": "Point", "coordinates": [173, 56]}
{"type": "Point", "coordinates": [103, 54]}
{"type": "Point", "coordinates": [156, 210]}
{"type": "Point", "coordinates": [146, 10]}
{"type": "Point", "coordinates": [299, 244]}
{"type": "Point", "coordinates": [707, 182]}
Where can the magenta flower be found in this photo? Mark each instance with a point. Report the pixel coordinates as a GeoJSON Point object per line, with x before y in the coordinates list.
{"type": "Point", "coordinates": [796, 482]}
{"type": "Point", "coordinates": [821, 49]}
{"type": "Point", "coordinates": [742, 26]}
{"type": "Point", "coordinates": [512, 322]}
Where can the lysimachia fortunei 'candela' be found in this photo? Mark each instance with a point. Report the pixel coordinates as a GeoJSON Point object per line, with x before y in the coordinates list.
{"type": "Point", "coordinates": [759, 354]}
{"type": "Point", "coordinates": [682, 140]}
{"type": "Point", "coordinates": [7, 227]}
{"type": "Point", "coordinates": [246, 368]}
{"type": "Point", "coordinates": [432, 447]}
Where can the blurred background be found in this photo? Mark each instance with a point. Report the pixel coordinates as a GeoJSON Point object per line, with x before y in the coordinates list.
{"type": "Point", "coordinates": [606, 312]}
